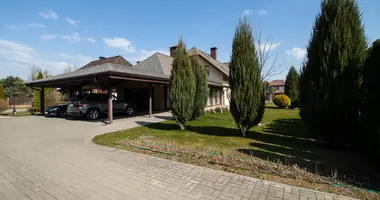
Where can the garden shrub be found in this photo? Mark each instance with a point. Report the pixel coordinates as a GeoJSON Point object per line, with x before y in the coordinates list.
{"type": "Point", "coordinates": [3, 105]}
{"type": "Point", "coordinates": [281, 100]}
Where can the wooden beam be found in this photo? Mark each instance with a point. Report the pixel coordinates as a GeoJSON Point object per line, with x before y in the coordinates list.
{"type": "Point", "coordinates": [150, 100]}
{"type": "Point", "coordinates": [42, 100]}
{"type": "Point", "coordinates": [137, 79]}
{"type": "Point", "coordinates": [110, 108]}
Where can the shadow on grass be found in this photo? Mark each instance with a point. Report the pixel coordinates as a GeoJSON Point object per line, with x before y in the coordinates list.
{"type": "Point", "coordinates": [288, 141]}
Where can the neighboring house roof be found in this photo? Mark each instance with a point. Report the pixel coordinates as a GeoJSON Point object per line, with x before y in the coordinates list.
{"type": "Point", "coordinates": [102, 60]}
{"type": "Point", "coordinates": [218, 65]}
{"type": "Point", "coordinates": [277, 83]}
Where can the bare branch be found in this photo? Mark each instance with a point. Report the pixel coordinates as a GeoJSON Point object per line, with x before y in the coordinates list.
{"type": "Point", "coordinates": [264, 51]}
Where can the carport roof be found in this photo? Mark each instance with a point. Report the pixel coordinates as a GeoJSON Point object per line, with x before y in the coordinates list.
{"type": "Point", "coordinates": [102, 69]}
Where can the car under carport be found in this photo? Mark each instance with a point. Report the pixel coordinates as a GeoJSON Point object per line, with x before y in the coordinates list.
{"type": "Point", "coordinates": [147, 88]}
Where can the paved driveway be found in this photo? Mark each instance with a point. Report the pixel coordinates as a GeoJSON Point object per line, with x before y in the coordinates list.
{"type": "Point", "coordinates": [47, 158]}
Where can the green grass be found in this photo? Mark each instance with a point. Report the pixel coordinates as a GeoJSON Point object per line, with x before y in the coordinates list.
{"type": "Point", "coordinates": [275, 147]}
{"type": "Point", "coordinates": [18, 114]}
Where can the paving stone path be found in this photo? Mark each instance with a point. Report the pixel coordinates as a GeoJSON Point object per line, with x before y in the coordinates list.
{"type": "Point", "coordinates": [47, 158]}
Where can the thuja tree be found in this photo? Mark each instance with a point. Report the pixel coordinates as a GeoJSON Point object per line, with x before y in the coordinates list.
{"type": "Point", "coordinates": [369, 137]}
{"type": "Point", "coordinates": [292, 84]}
{"type": "Point", "coordinates": [37, 101]}
{"type": "Point", "coordinates": [182, 86]}
{"type": "Point", "coordinates": [247, 101]}
{"type": "Point", "coordinates": [331, 75]}
{"type": "Point", "coordinates": [201, 92]}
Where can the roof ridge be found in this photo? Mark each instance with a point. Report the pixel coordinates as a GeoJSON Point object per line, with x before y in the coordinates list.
{"type": "Point", "coordinates": [162, 54]}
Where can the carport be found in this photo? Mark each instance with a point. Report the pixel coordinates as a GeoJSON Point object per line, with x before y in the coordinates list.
{"type": "Point", "coordinates": [107, 76]}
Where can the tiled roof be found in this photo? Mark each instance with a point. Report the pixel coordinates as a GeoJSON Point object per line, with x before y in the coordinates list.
{"type": "Point", "coordinates": [220, 66]}
{"type": "Point", "coordinates": [277, 83]}
{"type": "Point", "coordinates": [157, 62]}
{"type": "Point", "coordinates": [115, 60]}
{"type": "Point", "coordinates": [104, 68]}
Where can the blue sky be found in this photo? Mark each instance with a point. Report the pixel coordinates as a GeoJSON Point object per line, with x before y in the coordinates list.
{"type": "Point", "coordinates": [55, 34]}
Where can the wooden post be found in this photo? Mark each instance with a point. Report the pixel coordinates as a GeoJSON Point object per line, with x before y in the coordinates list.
{"type": "Point", "coordinates": [150, 100]}
{"type": "Point", "coordinates": [110, 108]}
{"type": "Point", "coordinates": [42, 100]}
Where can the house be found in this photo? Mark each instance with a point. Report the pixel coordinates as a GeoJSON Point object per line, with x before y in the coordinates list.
{"type": "Point", "coordinates": [145, 83]}
{"type": "Point", "coordinates": [276, 87]}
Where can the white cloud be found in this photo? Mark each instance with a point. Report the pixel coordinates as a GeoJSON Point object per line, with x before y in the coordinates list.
{"type": "Point", "coordinates": [72, 21]}
{"type": "Point", "coordinates": [268, 46]}
{"type": "Point", "coordinates": [12, 27]}
{"type": "Point", "coordinates": [15, 51]}
{"type": "Point", "coordinates": [261, 12]}
{"type": "Point", "coordinates": [120, 43]}
{"type": "Point", "coordinates": [72, 38]}
{"type": "Point", "coordinates": [247, 12]}
{"type": "Point", "coordinates": [36, 25]}
{"type": "Point", "coordinates": [297, 53]}
{"type": "Point", "coordinates": [48, 37]}
{"type": "Point", "coordinates": [49, 14]}
{"type": "Point", "coordinates": [22, 57]}
{"type": "Point", "coordinates": [91, 39]}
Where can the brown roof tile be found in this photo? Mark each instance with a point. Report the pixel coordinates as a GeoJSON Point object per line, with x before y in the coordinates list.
{"type": "Point", "coordinates": [114, 60]}
{"type": "Point", "coordinates": [277, 83]}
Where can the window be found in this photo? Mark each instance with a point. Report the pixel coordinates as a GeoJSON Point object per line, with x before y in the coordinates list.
{"type": "Point", "coordinates": [207, 68]}
{"type": "Point", "coordinates": [216, 96]}
{"type": "Point", "coordinates": [209, 96]}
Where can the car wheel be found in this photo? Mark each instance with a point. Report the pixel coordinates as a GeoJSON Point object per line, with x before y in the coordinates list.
{"type": "Point", "coordinates": [93, 114]}
{"type": "Point", "coordinates": [129, 110]}
{"type": "Point", "coordinates": [63, 113]}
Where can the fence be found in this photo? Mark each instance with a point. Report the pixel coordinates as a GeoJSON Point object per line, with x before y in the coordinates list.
{"type": "Point", "coordinates": [21, 101]}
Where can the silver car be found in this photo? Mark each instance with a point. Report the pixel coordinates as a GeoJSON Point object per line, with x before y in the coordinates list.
{"type": "Point", "coordinates": [93, 105]}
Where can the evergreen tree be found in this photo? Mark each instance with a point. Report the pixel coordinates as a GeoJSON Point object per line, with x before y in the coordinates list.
{"type": "Point", "coordinates": [247, 102]}
{"type": "Point", "coordinates": [201, 92]}
{"type": "Point", "coordinates": [37, 102]}
{"type": "Point", "coordinates": [182, 86]}
{"type": "Point", "coordinates": [369, 137]}
{"type": "Point", "coordinates": [292, 84]}
{"type": "Point", "coordinates": [2, 93]}
{"type": "Point", "coordinates": [331, 76]}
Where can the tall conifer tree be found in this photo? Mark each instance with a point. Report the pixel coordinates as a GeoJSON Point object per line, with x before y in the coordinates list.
{"type": "Point", "coordinates": [182, 86]}
{"type": "Point", "coordinates": [247, 103]}
{"type": "Point", "coordinates": [331, 76]}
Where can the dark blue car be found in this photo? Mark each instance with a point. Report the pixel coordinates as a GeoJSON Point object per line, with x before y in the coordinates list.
{"type": "Point", "coordinates": [56, 111]}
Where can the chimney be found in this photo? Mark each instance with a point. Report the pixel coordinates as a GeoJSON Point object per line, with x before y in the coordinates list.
{"type": "Point", "coordinates": [172, 51]}
{"type": "Point", "coordinates": [102, 57]}
{"type": "Point", "coordinates": [213, 52]}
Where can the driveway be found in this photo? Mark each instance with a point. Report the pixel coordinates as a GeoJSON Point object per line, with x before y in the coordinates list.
{"type": "Point", "coordinates": [49, 158]}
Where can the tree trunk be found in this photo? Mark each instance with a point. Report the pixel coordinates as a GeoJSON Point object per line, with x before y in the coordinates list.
{"type": "Point", "coordinates": [243, 132]}
{"type": "Point", "coordinates": [14, 106]}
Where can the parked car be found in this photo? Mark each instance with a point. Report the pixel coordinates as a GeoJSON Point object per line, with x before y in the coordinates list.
{"type": "Point", "coordinates": [59, 110]}
{"type": "Point", "coordinates": [92, 106]}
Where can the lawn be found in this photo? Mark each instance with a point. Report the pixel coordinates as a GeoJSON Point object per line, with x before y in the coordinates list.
{"type": "Point", "coordinates": [280, 149]}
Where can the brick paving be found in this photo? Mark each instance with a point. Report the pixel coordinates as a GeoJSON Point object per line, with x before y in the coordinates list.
{"type": "Point", "coordinates": [43, 158]}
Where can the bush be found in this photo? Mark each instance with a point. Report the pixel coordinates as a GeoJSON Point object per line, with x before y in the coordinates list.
{"type": "Point", "coordinates": [281, 100]}
{"type": "Point", "coordinates": [3, 105]}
